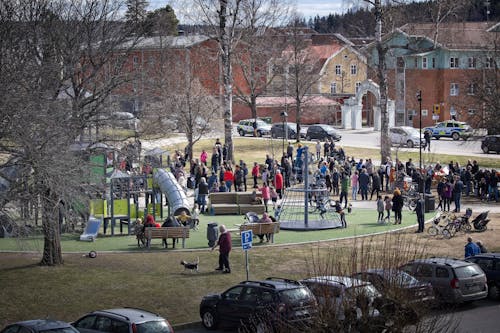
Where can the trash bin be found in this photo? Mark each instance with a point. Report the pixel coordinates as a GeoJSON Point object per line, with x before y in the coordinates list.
{"type": "Point", "coordinates": [212, 233]}
{"type": "Point", "coordinates": [430, 203]}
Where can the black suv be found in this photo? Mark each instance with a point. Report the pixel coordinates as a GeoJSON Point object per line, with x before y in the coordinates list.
{"type": "Point", "coordinates": [490, 264]}
{"type": "Point", "coordinates": [123, 320]}
{"type": "Point", "coordinates": [490, 143]}
{"type": "Point", "coordinates": [261, 304]}
{"type": "Point", "coordinates": [322, 132]}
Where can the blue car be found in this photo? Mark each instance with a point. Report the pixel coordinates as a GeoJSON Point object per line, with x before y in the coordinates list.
{"type": "Point", "coordinates": [450, 129]}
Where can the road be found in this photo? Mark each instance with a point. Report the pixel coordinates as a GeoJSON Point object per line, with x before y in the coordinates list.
{"type": "Point", "coordinates": [476, 317]}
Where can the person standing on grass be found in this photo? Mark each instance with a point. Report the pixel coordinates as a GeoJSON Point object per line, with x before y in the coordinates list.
{"type": "Point", "coordinates": [255, 174]}
{"type": "Point", "coordinates": [419, 209]}
{"type": "Point", "coordinates": [266, 194]}
{"type": "Point", "coordinates": [397, 206]}
{"type": "Point", "coordinates": [388, 207]}
{"type": "Point", "coordinates": [224, 244]}
{"type": "Point", "coordinates": [380, 209]}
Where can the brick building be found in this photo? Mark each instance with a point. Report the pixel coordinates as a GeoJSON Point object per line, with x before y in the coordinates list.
{"type": "Point", "coordinates": [449, 65]}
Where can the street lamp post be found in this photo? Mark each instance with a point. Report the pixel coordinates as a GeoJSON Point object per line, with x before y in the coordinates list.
{"type": "Point", "coordinates": [419, 98]}
{"type": "Point", "coordinates": [285, 128]}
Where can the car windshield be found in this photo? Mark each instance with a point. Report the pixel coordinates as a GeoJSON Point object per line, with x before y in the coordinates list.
{"type": "Point", "coordinates": [328, 129]}
{"type": "Point", "coordinates": [412, 131]}
{"type": "Point", "coordinates": [468, 271]}
{"type": "Point", "coordinates": [61, 330]}
{"type": "Point", "coordinates": [261, 122]}
{"type": "Point", "coordinates": [366, 289]}
{"type": "Point", "coordinates": [401, 278]}
{"type": "Point", "coordinates": [294, 295]}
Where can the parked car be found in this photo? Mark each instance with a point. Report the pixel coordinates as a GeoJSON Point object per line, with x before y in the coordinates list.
{"type": "Point", "coordinates": [490, 143]}
{"type": "Point", "coordinates": [490, 264]}
{"type": "Point", "coordinates": [278, 130]}
{"type": "Point", "coordinates": [282, 301]}
{"type": "Point", "coordinates": [247, 126]}
{"type": "Point", "coordinates": [123, 320]}
{"type": "Point", "coordinates": [406, 136]}
{"type": "Point", "coordinates": [322, 132]}
{"type": "Point", "coordinates": [39, 326]}
{"type": "Point", "coordinates": [398, 286]}
{"type": "Point", "coordinates": [450, 129]}
{"type": "Point", "coordinates": [453, 280]}
{"type": "Point", "coordinates": [351, 299]}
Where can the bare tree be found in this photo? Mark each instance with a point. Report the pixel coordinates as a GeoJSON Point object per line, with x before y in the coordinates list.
{"type": "Point", "coordinates": [303, 68]}
{"type": "Point", "coordinates": [258, 46]}
{"type": "Point", "coordinates": [57, 53]}
{"type": "Point", "coordinates": [223, 19]}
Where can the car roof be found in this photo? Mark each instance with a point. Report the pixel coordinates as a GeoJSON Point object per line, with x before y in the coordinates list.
{"type": "Point", "coordinates": [346, 281]}
{"type": "Point", "coordinates": [273, 283]}
{"type": "Point", "coordinates": [442, 261]}
{"type": "Point", "coordinates": [485, 255]}
{"type": "Point", "coordinates": [131, 314]}
{"type": "Point", "coordinates": [43, 324]}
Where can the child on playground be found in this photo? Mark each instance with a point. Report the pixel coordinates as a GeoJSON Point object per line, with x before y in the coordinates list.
{"type": "Point", "coordinates": [388, 207]}
{"type": "Point", "coordinates": [274, 196]}
{"type": "Point", "coordinates": [380, 209]}
{"type": "Point", "coordinates": [195, 216]}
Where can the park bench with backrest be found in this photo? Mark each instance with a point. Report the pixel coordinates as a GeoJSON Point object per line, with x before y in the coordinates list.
{"type": "Point", "coordinates": [262, 229]}
{"type": "Point", "coordinates": [166, 232]}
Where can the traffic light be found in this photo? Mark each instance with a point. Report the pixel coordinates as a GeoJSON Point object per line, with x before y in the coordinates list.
{"type": "Point", "coordinates": [437, 109]}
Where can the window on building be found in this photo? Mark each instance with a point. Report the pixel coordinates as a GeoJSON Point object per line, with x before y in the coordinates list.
{"type": "Point", "coordinates": [424, 62]}
{"type": "Point", "coordinates": [358, 85]}
{"type": "Point", "coordinates": [489, 62]}
{"type": "Point", "coordinates": [136, 61]}
{"type": "Point", "coordinates": [472, 62]}
{"type": "Point", "coordinates": [425, 112]}
{"type": "Point", "coordinates": [453, 62]}
{"type": "Point", "coordinates": [416, 63]}
{"type": "Point", "coordinates": [471, 112]}
{"type": "Point", "coordinates": [333, 88]}
{"type": "Point", "coordinates": [354, 69]}
{"type": "Point", "coordinates": [453, 89]}
{"type": "Point", "coordinates": [338, 69]}
{"type": "Point", "coordinates": [471, 89]}
{"type": "Point", "coordinates": [433, 62]}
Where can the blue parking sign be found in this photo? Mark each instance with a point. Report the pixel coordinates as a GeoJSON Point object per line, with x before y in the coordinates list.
{"type": "Point", "coordinates": [246, 239]}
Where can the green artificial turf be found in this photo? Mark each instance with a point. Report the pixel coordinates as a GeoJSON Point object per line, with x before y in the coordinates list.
{"type": "Point", "coordinates": [360, 222]}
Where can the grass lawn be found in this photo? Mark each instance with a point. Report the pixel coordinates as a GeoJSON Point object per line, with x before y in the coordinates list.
{"type": "Point", "coordinates": [360, 222]}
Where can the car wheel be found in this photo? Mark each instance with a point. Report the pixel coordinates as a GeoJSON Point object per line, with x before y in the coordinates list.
{"type": "Point", "coordinates": [409, 143]}
{"type": "Point", "coordinates": [308, 138]}
{"type": "Point", "coordinates": [241, 132]}
{"type": "Point", "coordinates": [437, 137]}
{"type": "Point", "coordinates": [493, 292]}
{"type": "Point", "coordinates": [485, 149]}
{"type": "Point", "coordinates": [273, 135]}
{"type": "Point", "coordinates": [455, 136]}
{"type": "Point", "coordinates": [259, 134]}
{"type": "Point", "coordinates": [209, 319]}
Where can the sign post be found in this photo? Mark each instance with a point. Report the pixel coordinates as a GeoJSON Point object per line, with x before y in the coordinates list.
{"type": "Point", "coordinates": [246, 244]}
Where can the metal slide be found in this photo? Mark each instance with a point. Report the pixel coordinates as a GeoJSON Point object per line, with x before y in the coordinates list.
{"type": "Point", "coordinates": [91, 230]}
{"type": "Point", "coordinates": [169, 186]}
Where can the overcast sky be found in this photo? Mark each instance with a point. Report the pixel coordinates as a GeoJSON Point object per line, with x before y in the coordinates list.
{"type": "Point", "coordinates": [308, 8]}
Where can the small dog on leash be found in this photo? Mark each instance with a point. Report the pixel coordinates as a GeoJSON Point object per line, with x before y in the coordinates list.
{"type": "Point", "coordinates": [191, 266]}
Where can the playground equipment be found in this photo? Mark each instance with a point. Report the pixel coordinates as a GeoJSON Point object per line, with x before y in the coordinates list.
{"type": "Point", "coordinates": [91, 230]}
{"type": "Point", "coordinates": [177, 200]}
{"type": "Point", "coordinates": [306, 206]}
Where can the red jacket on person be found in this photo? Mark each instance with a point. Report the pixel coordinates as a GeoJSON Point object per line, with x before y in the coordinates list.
{"type": "Point", "coordinates": [228, 175]}
{"type": "Point", "coordinates": [278, 181]}
{"type": "Point", "coordinates": [224, 242]}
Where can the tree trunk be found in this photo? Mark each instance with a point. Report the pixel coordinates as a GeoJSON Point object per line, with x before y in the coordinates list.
{"type": "Point", "coordinates": [227, 79]}
{"type": "Point", "coordinates": [52, 254]}
{"type": "Point", "coordinates": [253, 108]}
{"type": "Point", "coordinates": [297, 117]}
{"type": "Point", "coordinates": [385, 143]}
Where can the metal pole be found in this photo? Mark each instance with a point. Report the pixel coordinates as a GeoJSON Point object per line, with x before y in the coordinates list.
{"type": "Point", "coordinates": [305, 176]}
{"type": "Point", "coordinates": [246, 262]}
{"type": "Point", "coordinates": [419, 98]}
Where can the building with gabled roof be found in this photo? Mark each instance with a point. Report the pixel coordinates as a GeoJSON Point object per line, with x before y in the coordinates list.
{"type": "Point", "coordinates": [448, 63]}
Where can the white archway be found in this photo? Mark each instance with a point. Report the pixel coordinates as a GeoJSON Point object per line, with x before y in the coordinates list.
{"type": "Point", "coordinates": [352, 108]}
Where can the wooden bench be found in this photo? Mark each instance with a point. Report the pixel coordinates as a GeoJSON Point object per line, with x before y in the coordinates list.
{"type": "Point", "coordinates": [262, 229]}
{"type": "Point", "coordinates": [167, 232]}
